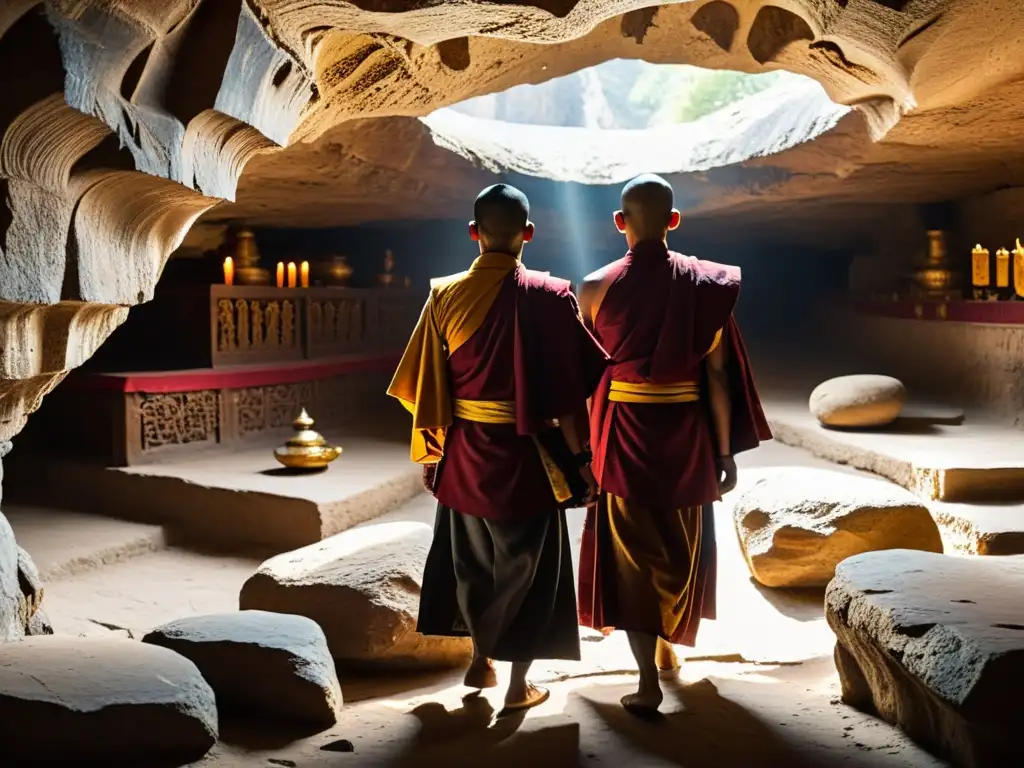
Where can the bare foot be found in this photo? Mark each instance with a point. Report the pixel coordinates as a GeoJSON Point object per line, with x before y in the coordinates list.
{"type": "Point", "coordinates": [645, 701]}
{"type": "Point", "coordinates": [481, 674]}
{"type": "Point", "coordinates": [524, 698]}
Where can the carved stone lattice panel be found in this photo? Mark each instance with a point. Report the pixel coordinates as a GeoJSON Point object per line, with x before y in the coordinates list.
{"type": "Point", "coordinates": [226, 338]}
{"type": "Point", "coordinates": [251, 410]}
{"type": "Point", "coordinates": [284, 402]}
{"type": "Point", "coordinates": [179, 418]}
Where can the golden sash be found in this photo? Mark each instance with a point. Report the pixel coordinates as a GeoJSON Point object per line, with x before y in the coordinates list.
{"type": "Point", "coordinates": [504, 412]}
{"type": "Point", "coordinates": [633, 392]}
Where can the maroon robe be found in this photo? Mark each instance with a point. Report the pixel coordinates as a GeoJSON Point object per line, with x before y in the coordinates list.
{"type": "Point", "coordinates": [658, 319]}
{"type": "Point", "coordinates": [532, 349]}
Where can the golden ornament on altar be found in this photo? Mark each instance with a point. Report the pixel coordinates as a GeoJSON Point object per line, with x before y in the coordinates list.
{"type": "Point", "coordinates": [935, 276]}
{"type": "Point", "coordinates": [246, 261]}
{"type": "Point", "coordinates": [306, 449]}
{"type": "Point", "coordinates": [1018, 269]}
{"type": "Point", "coordinates": [337, 271]}
{"type": "Point", "coordinates": [387, 277]}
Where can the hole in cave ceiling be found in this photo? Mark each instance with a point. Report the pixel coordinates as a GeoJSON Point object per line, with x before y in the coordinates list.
{"type": "Point", "coordinates": [608, 123]}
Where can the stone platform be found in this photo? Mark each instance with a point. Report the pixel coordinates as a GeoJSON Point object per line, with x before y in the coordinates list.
{"type": "Point", "coordinates": [235, 499]}
{"type": "Point", "coordinates": [936, 453]}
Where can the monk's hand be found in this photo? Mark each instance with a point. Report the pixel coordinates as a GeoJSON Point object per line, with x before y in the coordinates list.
{"type": "Point", "coordinates": [429, 477]}
{"type": "Point", "coordinates": [726, 474]}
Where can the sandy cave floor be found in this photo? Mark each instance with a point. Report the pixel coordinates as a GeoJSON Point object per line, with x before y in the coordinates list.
{"type": "Point", "coordinates": [759, 690]}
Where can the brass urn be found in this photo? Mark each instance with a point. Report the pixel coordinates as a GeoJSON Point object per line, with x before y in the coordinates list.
{"type": "Point", "coordinates": [387, 277]}
{"type": "Point", "coordinates": [337, 271]}
{"type": "Point", "coordinates": [306, 449]}
{"type": "Point", "coordinates": [247, 260]}
{"type": "Point", "coordinates": [935, 276]}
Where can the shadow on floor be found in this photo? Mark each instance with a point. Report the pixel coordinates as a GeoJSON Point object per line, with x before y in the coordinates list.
{"type": "Point", "coordinates": [909, 425]}
{"type": "Point", "coordinates": [799, 604]}
{"type": "Point", "coordinates": [469, 736]}
{"type": "Point", "coordinates": [389, 685]}
{"type": "Point", "coordinates": [698, 728]}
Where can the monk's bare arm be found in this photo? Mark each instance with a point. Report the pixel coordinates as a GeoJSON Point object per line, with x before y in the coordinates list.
{"type": "Point", "coordinates": [588, 292]}
{"type": "Point", "coordinates": [721, 404]}
{"type": "Point", "coordinates": [721, 413]}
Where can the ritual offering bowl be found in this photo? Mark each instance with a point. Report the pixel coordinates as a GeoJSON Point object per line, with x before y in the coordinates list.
{"type": "Point", "coordinates": [306, 449]}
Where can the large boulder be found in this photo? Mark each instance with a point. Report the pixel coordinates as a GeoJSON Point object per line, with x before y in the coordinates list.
{"type": "Point", "coordinates": [12, 605]}
{"type": "Point", "coordinates": [363, 587]}
{"type": "Point", "coordinates": [935, 644]}
{"type": "Point", "coordinates": [861, 401]}
{"type": "Point", "coordinates": [272, 664]}
{"type": "Point", "coordinates": [797, 524]}
{"type": "Point", "coordinates": [101, 701]}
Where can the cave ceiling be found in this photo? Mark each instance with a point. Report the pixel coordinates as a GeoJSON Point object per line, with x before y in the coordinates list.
{"type": "Point", "coordinates": [123, 123]}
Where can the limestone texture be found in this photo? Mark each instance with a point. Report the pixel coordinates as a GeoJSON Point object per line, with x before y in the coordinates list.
{"type": "Point", "coordinates": [88, 701]}
{"type": "Point", "coordinates": [797, 524]}
{"type": "Point", "coordinates": [935, 644]}
{"type": "Point", "coordinates": [362, 586]}
{"type": "Point", "coordinates": [270, 664]}
{"type": "Point", "coordinates": [860, 401]}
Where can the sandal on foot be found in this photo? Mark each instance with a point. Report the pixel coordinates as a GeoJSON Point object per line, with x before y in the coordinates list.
{"type": "Point", "coordinates": [535, 697]}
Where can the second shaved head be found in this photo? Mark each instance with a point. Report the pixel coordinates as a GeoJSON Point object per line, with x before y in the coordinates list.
{"type": "Point", "coordinates": [647, 204]}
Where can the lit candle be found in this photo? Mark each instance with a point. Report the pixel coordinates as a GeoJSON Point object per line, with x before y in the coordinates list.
{"type": "Point", "coordinates": [291, 274]}
{"type": "Point", "coordinates": [1018, 269]}
{"type": "Point", "coordinates": [981, 275]}
{"type": "Point", "coordinates": [1002, 268]}
{"type": "Point", "coordinates": [280, 274]}
{"type": "Point", "coordinates": [304, 274]}
{"type": "Point", "coordinates": [229, 271]}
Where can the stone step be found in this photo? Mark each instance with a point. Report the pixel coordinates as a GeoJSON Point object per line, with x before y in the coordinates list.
{"type": "Point", "coordinates": [64, 544]}
{"type": "Point", "coordinates": [238, 500]}
{"type": "Point", "coordinates": [933, 454]}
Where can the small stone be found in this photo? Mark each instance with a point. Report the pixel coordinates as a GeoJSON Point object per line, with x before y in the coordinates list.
{"type": "Point", "coordinates": [861, 401]}
{"type": "Point", "coordinates": [273, 664]}
{"type": "Point", "coordinates": [101, 701]}
{"type": "Point", "coordinates": [363, 587]}
{"type": "Point", "coordinates": [797, 524]}
{"type": "Point", "coordinates": [341, 745]}
{"type": "Point", "coordinates": [934, 644]}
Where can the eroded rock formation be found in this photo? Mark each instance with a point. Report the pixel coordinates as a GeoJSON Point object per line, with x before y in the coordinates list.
{"type": "Point", "coordinates": [130, 120]}
{"type": "Point", "coordinates": [121, 124]}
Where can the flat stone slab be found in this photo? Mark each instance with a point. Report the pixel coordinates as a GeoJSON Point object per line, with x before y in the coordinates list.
{"type": "Point", "coordinates": [270, 664]}
{"type": "Point", "coordinates": [66, 543]}
{"type": "Point", "coordinates": [363, 588]}
{"type": "Point", "coordinates": [239, 499]}
{"type": "Point", "coordinates": [931, 456]}
{"type": "Point", "coordinates": [796, 524]}
{"type": "Point", "coordinates": [935, 644]}
{"type": "Point", "coordinates": [87, 701]}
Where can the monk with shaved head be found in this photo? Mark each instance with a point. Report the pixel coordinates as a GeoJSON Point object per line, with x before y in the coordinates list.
{"type": "Point", "coordinates": [671, 411]}
{"type": "Point", "coordinates": [497, 375]}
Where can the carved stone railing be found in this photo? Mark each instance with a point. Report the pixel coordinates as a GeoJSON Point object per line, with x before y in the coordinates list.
{"type": "Point", "coordinates": [257, 325]}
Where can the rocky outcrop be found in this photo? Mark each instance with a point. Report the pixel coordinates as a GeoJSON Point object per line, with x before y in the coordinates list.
{"type": "Point", "coordinates": [93, 701]}
{"type": "Point", "coordinates": [797, 524]}
{"type": "Point", "coordinates": [362, 586]}
{"type": "Point", "coordinates": [860, 401]}
{"type": "Point", "coordinates": [935, 644]}
{"type": "Point", "coordinates": [270, 664]}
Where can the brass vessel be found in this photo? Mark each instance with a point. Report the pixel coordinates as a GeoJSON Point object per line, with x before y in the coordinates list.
{"type": "Point", "coordinates": [306, 449]}
{"type": "Point", "coordinates": [387, 277]}
{"type": "Point", "coordinates": [936, 277]}
{"type": "Point", "coordinates": [247, 260]}
{"type": "Point", "coordinates": [336, 271]}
